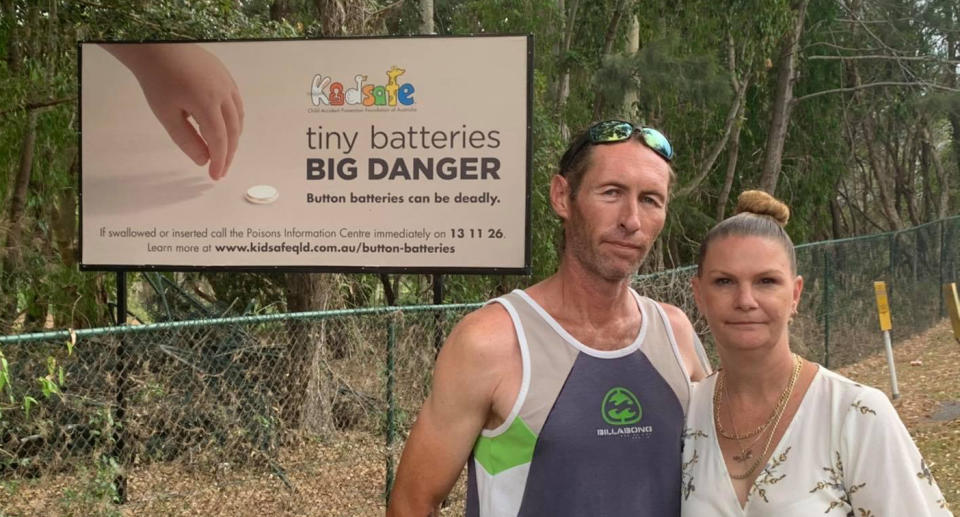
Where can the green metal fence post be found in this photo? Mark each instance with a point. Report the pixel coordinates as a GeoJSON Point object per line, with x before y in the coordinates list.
{"type": "Point", "coordinates": [826, 308]}
{"type": "Point", "coordinates": [391, 346]}
{"type": "Point", "coordinates": [893, 266]}
{"type": "Point", "coordinates": [438, 317]}
{"type": "Point", "coordinates": [940, 264]}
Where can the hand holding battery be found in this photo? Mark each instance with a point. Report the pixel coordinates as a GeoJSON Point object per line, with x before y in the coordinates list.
{"type": "Point", "coordinates": [182, 82]}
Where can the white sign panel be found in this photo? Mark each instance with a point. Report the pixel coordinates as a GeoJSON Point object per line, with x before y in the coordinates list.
{"type": "Point", "coordinates": [387, 154]}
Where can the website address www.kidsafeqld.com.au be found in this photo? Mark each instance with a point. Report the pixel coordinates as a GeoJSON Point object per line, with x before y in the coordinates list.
{"type": "Point", "coordinates": [360, 247]}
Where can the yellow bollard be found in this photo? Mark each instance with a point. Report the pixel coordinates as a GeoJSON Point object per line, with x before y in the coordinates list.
{"type": "Point", "coordinates": [883, 307]}
{"type": "Point", "coordinates": [953, 307]}
{"type": "Point", "coordinates": [883, 312]}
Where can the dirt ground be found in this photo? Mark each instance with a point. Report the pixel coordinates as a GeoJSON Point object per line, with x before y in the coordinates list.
{"type": "Point", "coordinates": [928, 376]}
{"type": "Point", "coordinates": [345, 477]}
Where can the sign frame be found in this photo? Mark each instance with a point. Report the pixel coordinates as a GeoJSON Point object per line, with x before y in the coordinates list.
{"type": "Point", "coordinates": [524, 269]}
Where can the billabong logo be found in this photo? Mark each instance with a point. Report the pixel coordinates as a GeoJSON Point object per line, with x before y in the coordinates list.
{"type": "Point", "coordinates": [621, 407]}
{"type": "Point", "coordinates": [325, 91]}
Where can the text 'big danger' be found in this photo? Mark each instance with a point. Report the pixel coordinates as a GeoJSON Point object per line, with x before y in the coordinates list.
{"type": "Point", "coordinates": [465, 168]}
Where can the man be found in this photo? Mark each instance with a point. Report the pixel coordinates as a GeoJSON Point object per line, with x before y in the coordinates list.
{"type": "Point", "coordinates": [567, 398]}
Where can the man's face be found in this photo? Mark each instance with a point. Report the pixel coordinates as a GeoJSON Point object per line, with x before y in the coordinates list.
{"type": "Point", "coordinates": [618, 211]}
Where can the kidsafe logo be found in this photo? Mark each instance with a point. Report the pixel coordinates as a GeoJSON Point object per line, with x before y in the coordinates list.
{"type": "Point", "coordinates": [324, 91]}
{"type": "Point", "coordinates": [621, 407]}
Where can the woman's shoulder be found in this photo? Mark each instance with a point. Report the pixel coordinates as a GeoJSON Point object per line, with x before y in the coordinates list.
{"type": "Point", "coordinates": [701, 397]}
{"type": "Point", "coordinates": [845, 384]}
{"type": "Point", "coordinates": [840, 382]}
{"type": "Point", "coordinates": [849, 395]}
{"type": "Point", "coordinates": [704, 387]}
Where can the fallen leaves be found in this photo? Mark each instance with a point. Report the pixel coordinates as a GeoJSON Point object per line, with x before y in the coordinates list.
{"type": "Point", "coordinates": [932, 381]}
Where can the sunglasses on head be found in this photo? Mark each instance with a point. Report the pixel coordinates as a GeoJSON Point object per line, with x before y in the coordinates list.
{"type": "Point", "coordinates": [613, 131]}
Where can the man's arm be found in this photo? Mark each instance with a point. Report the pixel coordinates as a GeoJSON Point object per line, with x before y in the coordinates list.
{"type": "Point", "coordinates": [683, 331]}
{"type": "Point", "coordinates": [469, 371]}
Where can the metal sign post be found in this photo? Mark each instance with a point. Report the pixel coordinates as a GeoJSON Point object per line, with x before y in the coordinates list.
{"type": "Point", "coordinates": [883, 312]}
{"type": "Point", "coordinates": [119, 431]}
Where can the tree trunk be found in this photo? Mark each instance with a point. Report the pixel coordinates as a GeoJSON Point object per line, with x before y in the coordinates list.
{"type": "Point", "coordinates": [608, 40]}
{"type": "Point", "coordinates": [836, 216]}
{"type": "Point", "coordinates": [18, 200]}
{"type": "Point", "coordinates": [334, 17]}
{"type": "Point", "coordinates": [303, 397]}
{"type": "Point", "coordinates": [563, 83]}
{"type": "Point", "coordinates": [906, 170]}
{"type": "Point", "coordinates": [68, 313]}
{"type": "Point", "coordinates": [782, 101]}
{"type": "Point", "coordinates": [388, 291]}
{"type": "Point", "coordinates": [939, 200]}
{"type": "Point", "coordinates": [279, 10]}
{"type": "Point", "coordinates": [11, 260]}
{"type": "Point", "coordinates": [426, 17]}
{"type": "Point", "coordinates": [740, 86]}
{"type": "Point", "coordinates": [953, 79]}
{"type": "Point", "coordinates": [633, 46]}
{"type": "Point", "coordinates": [885, 183]}
{"type": "Point", "coordinates": [732, 158]}
{"type": "Point", "coordinates": [64, 218]}
{"type": "Point", "coordinates": [732, 123]}
{"type": "Point", "coordinates": [13, 56]}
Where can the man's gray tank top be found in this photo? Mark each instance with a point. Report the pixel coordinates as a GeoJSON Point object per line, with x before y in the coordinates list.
{"type": "Point", "coordinates": [592, 433]}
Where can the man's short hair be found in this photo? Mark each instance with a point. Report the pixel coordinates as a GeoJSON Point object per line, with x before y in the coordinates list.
{"type": "Point", "coordinates": [576, 160]}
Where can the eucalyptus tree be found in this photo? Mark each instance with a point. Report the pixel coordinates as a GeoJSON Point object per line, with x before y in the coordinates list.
{"type": "Point", "coordinates": [38, 157]}
{"type": "Point", "coordinates": [862, 135]}
{"type": "Point", "coordinates": [892, 73]}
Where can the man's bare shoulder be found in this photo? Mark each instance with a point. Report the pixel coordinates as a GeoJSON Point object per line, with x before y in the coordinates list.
{"type": "Point", "coordinates": [483, 350]}
{"type": "Point", "coordinates": [676, 315]}
{"type": "Point", "coordinates": [486, 333]}
{"type": "Point", "coordinates": [467, 394]}
{"type": "Point", "coordinates": [684, 334]}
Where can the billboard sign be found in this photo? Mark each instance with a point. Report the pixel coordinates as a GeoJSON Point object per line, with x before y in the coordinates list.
{"type": "Point", "coordinates": [360, 154]}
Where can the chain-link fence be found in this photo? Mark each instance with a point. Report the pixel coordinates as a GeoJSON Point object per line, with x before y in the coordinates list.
{"type": "Point", "coordinates": [837, 321]}
{"type": "Point", "coordinates": [209, 395]}
{"type": "Point", "coordinates": [89, 411]}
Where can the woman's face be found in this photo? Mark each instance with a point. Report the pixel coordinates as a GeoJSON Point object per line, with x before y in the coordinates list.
{"type": "Point", "coordinates": [746, 291]}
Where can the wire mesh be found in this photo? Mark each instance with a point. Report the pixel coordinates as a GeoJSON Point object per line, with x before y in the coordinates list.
{"type": "Point", "coordinates": [214, 397]}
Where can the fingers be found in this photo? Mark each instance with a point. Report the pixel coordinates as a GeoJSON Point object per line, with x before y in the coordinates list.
{"type": "Point", "coordinates": [214, 131]}
{"type": "Point", "coordinates": [234, 125]}
{"type": "Point", "coordinates": [184, 135]}
{"type": "Point", "coordinates": [238, 104]}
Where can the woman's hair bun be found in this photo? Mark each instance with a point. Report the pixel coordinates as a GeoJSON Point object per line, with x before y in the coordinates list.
{"type": "Point", "coordinates": [760, 203]}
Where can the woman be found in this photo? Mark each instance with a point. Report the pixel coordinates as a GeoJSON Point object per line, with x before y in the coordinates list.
{"type": "Point", "coordinates": [771, 434]}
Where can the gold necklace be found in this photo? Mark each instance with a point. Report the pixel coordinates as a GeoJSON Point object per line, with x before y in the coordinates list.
{"type": "Point", "coordinates": [746, 453]}
{"type": "Point", "coordinates": [775, 418]}
{"type": "Point", "coordinates": [721, 388]}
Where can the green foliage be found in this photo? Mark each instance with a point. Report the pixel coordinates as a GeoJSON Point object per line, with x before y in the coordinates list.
{"type": "Point", "coordinates": [665, 79]}
{"type": "Point", "coordinates": [681, 77]}
{"type": "Point", "coordinates": [28, 402]}
{"type": "Point", "coordinates": [49, 385]}
{"type": "Point", "coordinates": [5, 384]}
{"type": "Point", "coordinates": [97, 494]}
